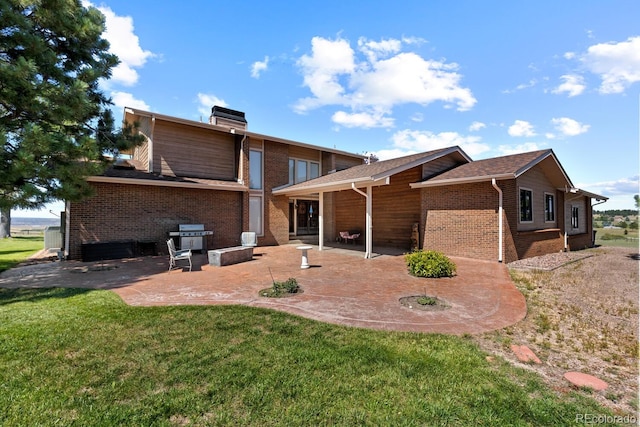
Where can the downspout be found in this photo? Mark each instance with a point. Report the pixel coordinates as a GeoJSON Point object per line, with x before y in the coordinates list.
{"type": "Point", "coordinates": [367, 196]}
{"type": "Point", "coordinates": [500, 226]}
{"type": "Point", "coordinates": [150, 154]}
{"type": "Point", "coordinates": [321, 221]}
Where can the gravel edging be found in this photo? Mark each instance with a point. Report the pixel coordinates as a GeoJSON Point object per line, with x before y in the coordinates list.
{"type": "Point", "coordinates": [548, 262]}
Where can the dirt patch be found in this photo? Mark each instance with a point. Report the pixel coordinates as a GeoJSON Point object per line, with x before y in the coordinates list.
{"type": "Point", "coordinates": [582, 315]}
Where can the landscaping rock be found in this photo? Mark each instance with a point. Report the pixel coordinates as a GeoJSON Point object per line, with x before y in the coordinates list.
{"type": "Point", "coordinates": [579, 379]}
{"type": "Point", "coordinates": [524, 354]}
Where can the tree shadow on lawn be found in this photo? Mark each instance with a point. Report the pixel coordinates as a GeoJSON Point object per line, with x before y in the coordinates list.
{"type": "Point", "coordinates": [12, 296]}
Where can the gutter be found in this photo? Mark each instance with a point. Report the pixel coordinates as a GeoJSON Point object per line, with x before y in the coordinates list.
{"type": "Point", "coordinates": [500, 225]}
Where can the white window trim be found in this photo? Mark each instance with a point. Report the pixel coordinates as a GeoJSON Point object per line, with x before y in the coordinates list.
{"type": "Point", "coordinates": [545, 207]}
{"type": "Point", "coordinates": [520, 206]}
{"type": "Point", "coordinates": [577, 226]}
{"type": "Point", "coordinates": [295, 166]}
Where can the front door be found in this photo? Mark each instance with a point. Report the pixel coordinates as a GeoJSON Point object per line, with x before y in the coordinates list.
{"type": "Point", "coordinates": [307, 217]}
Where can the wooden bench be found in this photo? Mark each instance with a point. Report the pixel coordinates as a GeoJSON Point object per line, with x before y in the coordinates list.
{"type": "Point", "coordinates": [228, 256]}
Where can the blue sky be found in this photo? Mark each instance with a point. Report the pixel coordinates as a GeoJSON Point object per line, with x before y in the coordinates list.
{"type": "Point", "coordinates": [395, 78]}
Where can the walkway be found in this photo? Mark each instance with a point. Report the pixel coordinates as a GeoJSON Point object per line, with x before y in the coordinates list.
{"type": "Point", "coordinates": [341, 287]}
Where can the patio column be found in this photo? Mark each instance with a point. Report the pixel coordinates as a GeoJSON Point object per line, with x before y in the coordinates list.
{"type": "Point", "coordinates": [368, 245]}
{"type": "Point", "coordinates": [320, 221]}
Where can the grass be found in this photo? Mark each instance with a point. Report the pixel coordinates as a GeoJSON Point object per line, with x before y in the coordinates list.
{"type": "Point", "coordinates": [616, 237]}
{"type": "Point", "coordinates": [79, 357]}
{"type": "Point", "coordinates": [14, 250]}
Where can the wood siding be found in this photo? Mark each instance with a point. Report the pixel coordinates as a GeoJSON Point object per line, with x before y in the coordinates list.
{"type": "Point", "coordinates": [536, 181]}
{"type": "Point", "coordinates": [396, 207]}
{"type": "Point", "coordinates": [180, 150]}
{"type": "Point", "coordinates": [304, 153]}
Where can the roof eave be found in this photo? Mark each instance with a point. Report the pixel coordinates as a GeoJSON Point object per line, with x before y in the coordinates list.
{"type": "Point", "coordinates": [458, 181]}
{"type": "Point", "coordinates": [160, 183]}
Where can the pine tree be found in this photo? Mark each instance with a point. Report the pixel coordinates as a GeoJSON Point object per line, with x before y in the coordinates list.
{"type": "Point", "coordinates": [55, 125]}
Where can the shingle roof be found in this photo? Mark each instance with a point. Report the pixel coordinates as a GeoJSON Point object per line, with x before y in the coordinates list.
{"type": "Point", "coordinates": [371, 173]}
{"type": "Point", "coordinates": [498, 166]}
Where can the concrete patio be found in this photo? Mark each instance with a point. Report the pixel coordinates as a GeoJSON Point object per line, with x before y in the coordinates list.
{"type": "Point", "coordinates": [341, 287]}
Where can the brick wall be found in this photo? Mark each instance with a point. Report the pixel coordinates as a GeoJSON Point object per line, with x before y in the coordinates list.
{"type": "Point", "coordinates": [149, 213]}
{"type": "Point", "coordinates": [276, 208]}
{"type": "Point", "coordinates": [461, 220]}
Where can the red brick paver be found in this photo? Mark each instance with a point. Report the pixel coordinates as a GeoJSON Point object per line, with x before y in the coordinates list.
{"type": "Point", "coordinates": [340, 287]}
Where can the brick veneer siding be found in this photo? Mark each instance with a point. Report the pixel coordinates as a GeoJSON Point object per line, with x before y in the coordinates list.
{"type": "Point", "coordinates": [461, 220]}
{"type": "Point", "coordinates": [149, 213]}
{"type": "Point", "coordinates": [276, 208]}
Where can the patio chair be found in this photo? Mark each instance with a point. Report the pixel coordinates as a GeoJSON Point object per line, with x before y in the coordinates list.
{"type": "Point", "coordinates": [175, 255]}
{"type": "Point", "coordinates": [249, 239]}
{"type": "Point", "coordinates": [346, 236]}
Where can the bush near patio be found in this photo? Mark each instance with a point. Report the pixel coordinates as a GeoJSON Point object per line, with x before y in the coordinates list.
{"type": "Point", "coordinates": [432, 264]}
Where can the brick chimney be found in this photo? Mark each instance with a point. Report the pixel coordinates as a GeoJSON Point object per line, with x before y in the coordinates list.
{"type": "Point", "coordinates": [232, 119]}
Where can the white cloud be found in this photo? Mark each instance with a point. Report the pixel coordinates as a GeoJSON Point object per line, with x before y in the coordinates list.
{"type": "Point", "coordinates": [476, 126]}
{"type": "Point", "coordinates": [414, 141]}
{"type": "Point", "coordinates": [124, 99]}
{"type": "Point", "coordinates": [362, 120]}
{"type": "Point", "coordinates": [623, 186]}
{"type": "Point", "coordinates": [506, 150]}
{"type": "Point", "coordinates": [376, 78]}
{"type": "Point", "coordinates": [384, 48]}
{"type": "Point", "coordinates": [521, 128]}
{"type": "Point", "coordinates": [258, 67]}
{"type": "Point", "coordinates": [393, 153]}
{"type": "Point", "coordinates": [617, 64]}
{"type": "Point", "coordinates": [569, 127]}
{"type": "Point", "coordinates": [417, 117]}
{"type": "Point", "coordinates": [207, 101]}
{"type": "Point", "coordinates": [573, 85]}
{"type": "Point", "coordinates": [125, 44]}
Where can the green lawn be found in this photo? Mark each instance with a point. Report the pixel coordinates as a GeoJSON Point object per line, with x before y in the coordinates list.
{"type": "Point", "coordinates": [79, 357]}
{"type": "Point", "coordinates": [13, 250]}
{"type": "Point", "coordinates": [616, 237]}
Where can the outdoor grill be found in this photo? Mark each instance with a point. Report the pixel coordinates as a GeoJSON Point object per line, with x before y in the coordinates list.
{"type": "Point", "coordinates": [191, 236]}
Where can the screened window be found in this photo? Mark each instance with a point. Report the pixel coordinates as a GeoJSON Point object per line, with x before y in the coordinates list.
{"type": "Point", "coordinates": [314, 170]}
{"type": "Point", "coordinates": [575, 212]}
{"type": "Point", "coordinates": [301, 171]}
{"type": "Point", "coordinates": [549, 208]}
{"type": "Point", "coordinates": [255, 214]}
{"type": "Point", "coordinates": [526, 208]}
{"type": "Point", "coordinates": [292, 171]}
{"type": "Point", "coordinates": [255, 170]}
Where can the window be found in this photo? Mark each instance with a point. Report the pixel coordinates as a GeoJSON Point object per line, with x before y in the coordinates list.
{"type": "Point", "coordinates": [255, 214]}
{"type": "Point", "coordinates": [549, 208]}
{"type": "Point", "coordinates": [526, 209]}
{"type": "Point", "coordinates": [314, 170]}
{"type": "Point", "coordinates": [255, 170]}
{"type": "Point", "coordinates": [575, 212]}
{"type": "Point", "coordinates": [302, 170]}
{"type": "Point", "coordinates": [292, 171]}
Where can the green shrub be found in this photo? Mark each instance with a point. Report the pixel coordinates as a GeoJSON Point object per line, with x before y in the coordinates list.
{"type": "Point", "coordinates": [427, 300]}
{"type": "Point", "coordinates": [280, 289]}
{"type": "Point", "coordinates": [288, 287]}
{"type": "Point", "coordinates": [429, 264]}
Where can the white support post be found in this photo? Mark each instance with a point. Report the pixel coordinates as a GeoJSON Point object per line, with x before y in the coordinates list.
{"type": "Point", "coordinates": [321, 221]}
{"type": "Point", "coordinates": [369, 223]}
